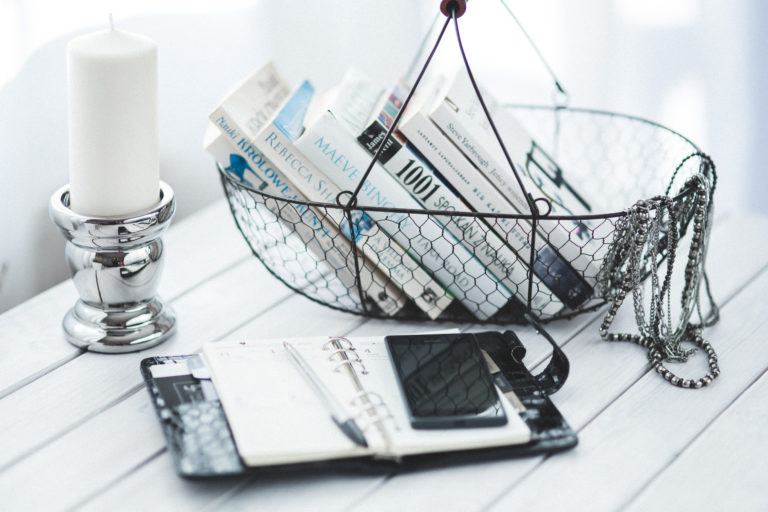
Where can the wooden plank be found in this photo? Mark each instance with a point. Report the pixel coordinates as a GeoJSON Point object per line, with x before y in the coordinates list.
{"type": "Point", "coordinates": [32, 340]}
{"type": "Point", "coordinates": [298, 316]}
{"type": "Point", "coordinates": [470, 484]}
{"type": "Point", "coordinates": [600, 372]}
{"type": "Point", "coordinates": [88, 474]}
{"type": "Point", "coordinates": [644, 429]}
{"type": "Point", "coordinates": [107, 441]}
{"type": "Point", "coordinates": [44, 409]}
{"type": "Point", "coordinates": [313, 491]}
{"type": "Point", "coordinates": [725, 466]}
{"type": "Point", "coordinates": [280, 321]}
{"type": "Point", "coordinates": [200, 247]}
{"type": "Point", "coordinates": [35, 344]}
{"type": "Point", "coordinates": [162, 485]}
{"type": "Point", "coordinates": [300, 493]}
{"type": "Point", "coordinates": [155, 486]}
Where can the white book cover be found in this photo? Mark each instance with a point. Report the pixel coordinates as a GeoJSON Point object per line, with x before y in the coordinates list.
{"type": "Point", "coordinates": [358, 100]}
{"type": "Point", "coordinates": [305, 233]}
{"type": "Point", "coordinates": [475, 189]}
{"type": "Point", "coordinates": [243, 113]}
{"type": "Point", "coordinates": [251, 103]}
{"type": "Point", "coordinates": [332, 148]}
{"type": "Point", "coordinates": [418, 176]}
{"type": "Point", "coordinates": [321, 240]}
{"type": "Point", "coordinates": [461, 118]}
{"type": "Point", "coordinates": [276, 140]}
{"type": "Point", "coordinates": [471, 231]}
{"type": "Point", "coordinates": [481, 196]}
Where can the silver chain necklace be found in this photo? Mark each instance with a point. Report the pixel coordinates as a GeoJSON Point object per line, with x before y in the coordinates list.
{"type": "Point", "coordinates": [644, 238]}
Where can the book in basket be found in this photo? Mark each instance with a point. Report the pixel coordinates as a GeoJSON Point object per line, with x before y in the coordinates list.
{"type": "Point", "coordinates": [481, 196]}
{"type": "Point", "coordinates": [419, 177]}
{"type": "Point", "coordinates": [332, 147]}
{"type": "Point", "coordinates": [460, 116]}
{"type": "Point", "coordinates": [274, 141]}
{"type": "Point", "coordinates": [304, 231]}
{"type": "Point", "coordinates": [246, 110]}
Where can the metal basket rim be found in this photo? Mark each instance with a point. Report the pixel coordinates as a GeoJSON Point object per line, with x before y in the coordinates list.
{"type": "Point", "coordinates": [522, 216]}
{"type": "Point", "coordinates": [587, 110]}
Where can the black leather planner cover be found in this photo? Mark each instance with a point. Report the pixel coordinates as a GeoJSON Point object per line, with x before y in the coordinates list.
{"type": "Point", "coordinates": [201, 444]}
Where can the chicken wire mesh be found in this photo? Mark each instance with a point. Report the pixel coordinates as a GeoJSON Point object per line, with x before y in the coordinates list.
{"type": "Point", "coordinates": [479, 266]}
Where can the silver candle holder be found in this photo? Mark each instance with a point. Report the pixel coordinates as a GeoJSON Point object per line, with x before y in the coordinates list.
{"type": "Point", "coordinates": [115, 264]}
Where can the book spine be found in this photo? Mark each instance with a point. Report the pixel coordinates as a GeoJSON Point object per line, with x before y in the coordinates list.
{"type": "Point", "coordinates": [572, 238]}
{"type": "Point", "coordinates": [309, 225]}
{"type": "Point", "coordinates": [467, 139]}
{"type": "Point", "coordinates": [418, 176]}
{"type": "Point", "coordinates": [250, 106]}
{"type": "Point", "coordinates": [481, 196]}
{"type": "Point", "coordinates": [243, 112]}
{"type": "Point", "coordinates": [332, 149]}
{"type": "Point", "coordinates": [385, 253]}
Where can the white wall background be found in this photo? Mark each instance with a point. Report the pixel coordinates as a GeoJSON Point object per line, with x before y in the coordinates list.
{"type": "Point", "coordinates": [697, 66]}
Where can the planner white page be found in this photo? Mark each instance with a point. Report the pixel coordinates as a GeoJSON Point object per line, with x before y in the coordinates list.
{"type": "Point", "coordinates": [274, 415]}
{"type": "Point", "coordinates": [277, 418]}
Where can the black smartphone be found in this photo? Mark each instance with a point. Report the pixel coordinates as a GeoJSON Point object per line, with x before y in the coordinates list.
{"type": "Point", "coordinates": [445, 381]}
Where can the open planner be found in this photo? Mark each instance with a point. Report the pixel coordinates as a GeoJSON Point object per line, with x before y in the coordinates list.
{"type": "Point", "coordinates": [242, 406]}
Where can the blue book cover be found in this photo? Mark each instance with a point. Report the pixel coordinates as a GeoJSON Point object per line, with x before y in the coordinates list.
{"type": "Point", "coordinates": [290, 119]}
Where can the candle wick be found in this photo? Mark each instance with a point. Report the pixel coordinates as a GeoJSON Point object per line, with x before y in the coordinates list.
{"type": "Point", "coordinates": [111, 22]}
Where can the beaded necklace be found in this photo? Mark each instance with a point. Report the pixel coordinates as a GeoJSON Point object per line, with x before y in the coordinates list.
{"type": "Point", "coordinates": [646, 237]}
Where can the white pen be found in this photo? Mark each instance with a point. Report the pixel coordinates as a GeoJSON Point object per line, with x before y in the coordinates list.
{"type": "Point", "coordinates": [339, 415]}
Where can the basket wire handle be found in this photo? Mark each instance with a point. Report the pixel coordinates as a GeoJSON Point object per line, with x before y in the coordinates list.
{"type": "Point", "coordinates": [422, 47]}
{"type": "Point", "coordinates": [529, 199]}
{"type": "Point", "coordinates": [398, 116]}
{"type": "Point", "coordinates": [455, 9]}
{"type": "Point", "coordinates": [535, 214]}
{"type": "Point", "coordinates": [560, 96]}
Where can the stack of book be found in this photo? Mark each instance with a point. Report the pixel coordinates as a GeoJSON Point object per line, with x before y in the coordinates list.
{"type": "Point", "coordinates": [443, 158]}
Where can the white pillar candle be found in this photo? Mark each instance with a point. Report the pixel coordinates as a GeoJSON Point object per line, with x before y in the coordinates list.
{"type": "Point", "coordinates": [113, 135]}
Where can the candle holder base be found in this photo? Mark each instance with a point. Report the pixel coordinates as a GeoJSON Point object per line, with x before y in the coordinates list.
{"type": "Point", "coordinates": [115, 264]}
{"type": "Point", "coordinates": [119, 329]}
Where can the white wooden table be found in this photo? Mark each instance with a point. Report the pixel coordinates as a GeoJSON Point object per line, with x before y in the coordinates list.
{"type": "Point", "coordinates": [77, 430]}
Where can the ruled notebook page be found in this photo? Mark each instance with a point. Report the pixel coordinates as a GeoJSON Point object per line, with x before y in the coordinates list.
{"type": "Point", "coordinates": [274, 414]}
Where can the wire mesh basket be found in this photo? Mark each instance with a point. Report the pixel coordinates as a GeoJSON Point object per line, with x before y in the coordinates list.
{"type": "Point", "coordinates": [647, 191]}
{"type": "Point", "coordinates": [555, 271]}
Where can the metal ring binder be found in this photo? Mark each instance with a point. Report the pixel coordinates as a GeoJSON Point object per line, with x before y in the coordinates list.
{"type": "Point", "coordinates": [351, 363]}
{"type": "Point", "coordinates": [371, 411]}
{"type": "Point", "coordinates": [347, 360]}
{"type": "Point", "coordinates": [376, 421]}
{"type": "Point", "coordinates": [369, 404]}
{"type": "Point", "coordinates": [367, 395]}
{"type": "Point", "coordinates": [344, 351]}
{"type": "Point", "coordinates": [338, 340]}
